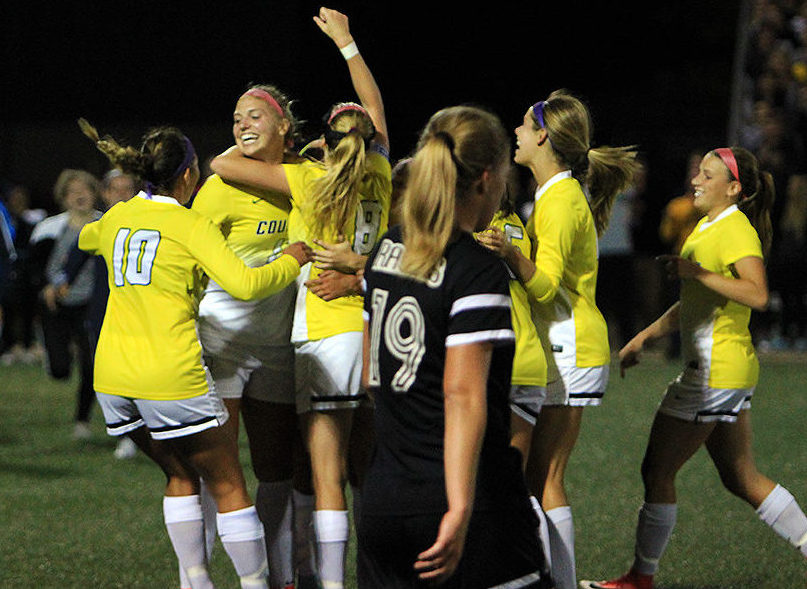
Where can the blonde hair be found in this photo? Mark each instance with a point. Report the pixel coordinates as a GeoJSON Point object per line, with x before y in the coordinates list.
{"type": "Point", "coordinates": [605, 171]}
{"type": "Point", "coordinates": [335, 196]}
{"type": "Point", "coordinates": [457, 145]}
{"type": "Point", "coordinates": [69, 175]}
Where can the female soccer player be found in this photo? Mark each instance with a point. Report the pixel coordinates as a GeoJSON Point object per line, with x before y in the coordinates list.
{"type": "Point", "coordinates": [247, 344]}
{"type": "Point", "coordinates": [554, 142]}
{"type": "Point", "coordinates": [345, 197]}
{"type": "Point", "coordinates": [438, 355]}
{"type": "Point", "coordinates": [722, 279]}
{"type": "Point", "coordinates": [148, 365]}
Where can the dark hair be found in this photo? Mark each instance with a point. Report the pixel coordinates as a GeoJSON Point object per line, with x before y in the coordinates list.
{"type": "Point", "coordinates": [159, 161]}
{"type": "Point", "coordinates": [758, 194]}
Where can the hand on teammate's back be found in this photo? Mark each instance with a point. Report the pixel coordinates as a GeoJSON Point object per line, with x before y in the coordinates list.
{"type": "Point", "coordinates": [300, 251]}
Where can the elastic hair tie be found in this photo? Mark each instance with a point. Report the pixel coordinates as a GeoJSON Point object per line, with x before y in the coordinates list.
{"type": "Point", "coordinates": [266, 97]}
{"type": "Point", "coordinates": [447, 139]}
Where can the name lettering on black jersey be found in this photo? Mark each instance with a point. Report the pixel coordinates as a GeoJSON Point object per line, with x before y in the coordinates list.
{"type": "Point", "coordinates": [388, 261]}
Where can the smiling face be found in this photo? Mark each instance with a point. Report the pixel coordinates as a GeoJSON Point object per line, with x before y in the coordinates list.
{"type": "Point", "coordinates": [258, 131]}
{"type": "Point", "coordinates": [714, 189]}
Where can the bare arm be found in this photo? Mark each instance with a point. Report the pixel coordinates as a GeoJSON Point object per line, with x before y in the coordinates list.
{"type": "Point", "coordinates": [666, 324]}
{"type": "Point", "coordinates": [233, 166]}
{"type": "Point", "coordinates": [465, 388]}
{"type": "Point", "coordinates": [749, 287]}
{"type": "Point", "coordinates": [336, 26]}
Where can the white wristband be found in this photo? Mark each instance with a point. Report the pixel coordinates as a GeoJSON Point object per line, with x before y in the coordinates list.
{"type": "Point", "coordinates": [349, 50]}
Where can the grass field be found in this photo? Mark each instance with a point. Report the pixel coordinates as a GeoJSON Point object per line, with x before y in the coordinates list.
{"type": "Point", "coordinates": [71, 516]}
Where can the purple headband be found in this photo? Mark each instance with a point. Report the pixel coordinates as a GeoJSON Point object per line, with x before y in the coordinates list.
{"type": "Point", "coordinates": [538, 115]}
{"type": "Point", "coordinates": [190, 153]}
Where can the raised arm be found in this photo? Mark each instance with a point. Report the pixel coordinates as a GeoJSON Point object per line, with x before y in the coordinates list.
{"type": "Point", "coordinates": [234, 167]}
{"type": "Point", "coordinates": [335, 24]}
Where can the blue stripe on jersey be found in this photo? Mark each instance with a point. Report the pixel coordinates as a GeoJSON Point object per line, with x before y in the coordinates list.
{"type": "Point", "coordinates": [479, 301]}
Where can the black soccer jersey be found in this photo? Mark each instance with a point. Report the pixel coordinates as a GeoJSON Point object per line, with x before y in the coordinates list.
{"type": "Point", "coordinates": [466, 300]}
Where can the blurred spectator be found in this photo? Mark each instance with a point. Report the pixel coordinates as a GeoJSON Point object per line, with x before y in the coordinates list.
{"type": "Point", "coordinates": [63, 320]}
{"type": "Point", "coordinates": [18, 296]}
{"type": "Point", "coordinates": [616, 264]}
{"type": "Point", "coordinates": [773, 125]}
{"type": "Point", "coordinates": [677, 221]}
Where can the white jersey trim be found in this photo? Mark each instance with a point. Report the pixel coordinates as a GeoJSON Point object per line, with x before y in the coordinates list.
{"type": "Point", "coordinates": [479, 301]}
{"type": "Point", "coordinates": [495, 335]}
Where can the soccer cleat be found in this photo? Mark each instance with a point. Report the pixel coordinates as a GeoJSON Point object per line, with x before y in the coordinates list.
{"type": "Point", "coordinates": [630, 580]}
{"type": "Point", "coordinates": [82, 431]}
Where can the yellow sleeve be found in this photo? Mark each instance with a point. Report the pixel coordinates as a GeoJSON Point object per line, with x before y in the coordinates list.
{"type": "Point", "coordinates": [89, 240]}
{"type": "Point", "coordinates": [211, 198]}
{"type": "Point", "coordinates": [741, 242]}
{"type": "Point", "coordinates": [555, 230]}
{"type": "Point", "coordinates": [221, 264]}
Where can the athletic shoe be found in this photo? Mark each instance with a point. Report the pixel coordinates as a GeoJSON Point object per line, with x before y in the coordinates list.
{"type": "Point", "coordinates": [125, 449]}
{"type": "Point", "coordinates": [82, 431]}
{"type": "Point", "coordinates": [629, 581]}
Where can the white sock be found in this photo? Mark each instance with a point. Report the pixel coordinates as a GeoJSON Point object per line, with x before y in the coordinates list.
{"type": "Point", "coordinates": [183, 520]}
{"type": "Point", "coordinates": [304, 562]}
{"type": "Point", "coordinates": [781, 512]}
{"type": "Point", "coordinates": [561, 545]}
{"type": "Point", "coordinates": [332, 530]}
{"type": "Point", "coordinates": [653, 531]}
{"type": "Point", "coordinates": [209, 518]}
{"type": "Point", "coordinates": [543, 531]}
{"type": "Point", "coordinates": [241, 534]}
{"type": "Point", "coordinates": [274, 506]}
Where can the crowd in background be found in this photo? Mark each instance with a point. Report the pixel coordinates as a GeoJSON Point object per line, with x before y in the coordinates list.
{"type": "Point", "coordinates": [773, 125]}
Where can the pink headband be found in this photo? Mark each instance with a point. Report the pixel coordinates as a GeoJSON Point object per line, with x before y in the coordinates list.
{"type": "Point", "coordinates": [265, 96]}
{"type": "Point", "coordinates": [345, 108]}
{"type": "Point", "coordinates": [725, 154]}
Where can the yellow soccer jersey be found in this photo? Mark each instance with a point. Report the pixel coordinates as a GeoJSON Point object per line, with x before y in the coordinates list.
{"type": "Point", "coordinates": [715, 340]}
{"type": "Point", "coordinates": [156, 251]}
{"type": "Point", "coordinates": [254, 223]}
{"type": "Point", "coordinates": [315, 318]}
{"type": "Point", "coordinates": [562, 290]}
{"type": "Point", "coordinates": [529, 364]}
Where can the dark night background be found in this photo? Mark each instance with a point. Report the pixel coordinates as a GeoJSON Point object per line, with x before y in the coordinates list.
{"type": "Point", "coordinates": [658, 75]}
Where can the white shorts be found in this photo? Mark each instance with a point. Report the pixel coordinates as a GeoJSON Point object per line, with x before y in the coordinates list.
{"type": "Point", "coordinates": [702, 404]}
{"type": "Point", "coordinates": [263, 373]}
{"type": "Point", "coordinates": [328, 373]}
{"type": "Point", "coordinates": [526, 401]}
{"type": "Point", "coordinates": [165, 419]}
{"type": "Point", "coordinates": [578, 387]}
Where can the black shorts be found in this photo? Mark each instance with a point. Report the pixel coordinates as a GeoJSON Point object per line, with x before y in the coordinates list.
{"type": "Point", "coordinates": [501, 547]}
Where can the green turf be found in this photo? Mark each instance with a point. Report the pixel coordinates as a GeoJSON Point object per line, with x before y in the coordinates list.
{"type": "Point", "coordinates": [71, 516]}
